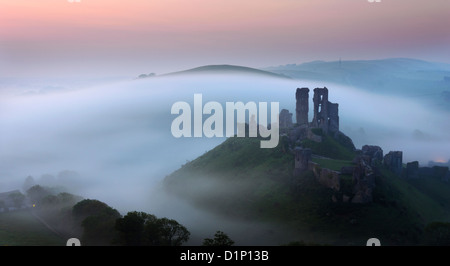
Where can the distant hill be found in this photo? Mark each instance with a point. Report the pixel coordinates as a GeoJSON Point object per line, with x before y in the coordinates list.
{"type": "Point", "coordinates": [427, 82]}
{"type": "Point", "coordinates": [413, 78]}
{"type": "Point", "coordinates": [228, 69]}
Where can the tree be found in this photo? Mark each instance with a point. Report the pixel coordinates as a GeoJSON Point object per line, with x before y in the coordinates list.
{"type": "Point", "coordinates": [141, 76]}
{"type": "Point", "coordinates": [131, 228]}
{"type": "Point", "coordinates": [97, 219]}
{"type": "Point", "coordinates": [220, 239]}
{"type": "Point", "coordinates": [37, 193]}
{"type": "Point", "coordinates": [49, 200]}
{"type": "Point", "coordinates": [171, 233]}
{"type": "Point", "coordinates": [90, 207]}
{"type": "Point", "coordinates": [99, 229]}
{"type": "Point", "coordinates": [140, 228]}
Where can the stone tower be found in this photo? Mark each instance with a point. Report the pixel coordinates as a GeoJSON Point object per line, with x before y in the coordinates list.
{"type": "Point", "coordinates": [326, 114]}
{"type": "Point", "coordinates": [320, 100]}
{"type": "Point", "coordinates": [333, 117]}
{"type": "Point", "coordinates": [302, 105]}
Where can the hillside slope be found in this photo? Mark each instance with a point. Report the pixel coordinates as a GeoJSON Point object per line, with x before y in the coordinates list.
{"type": "Point", "coordinates": [238, 179]}
{"type": "Point", "coordinates": [229, 69]}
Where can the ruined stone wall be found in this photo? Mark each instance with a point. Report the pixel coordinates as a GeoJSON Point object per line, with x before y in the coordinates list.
{"type": "Point", "coordinates": [302, 159]}
{"type": "Point", "coordinates": [329, 178]}
{"type": "Point", "coordinates": [285, 119]}
{"type": "Point", "coordinates": [333, 117]}
{"type": "Point", "coordinates": [373, 153]}
{"type": "Point", "coordinates": [363, 180]}
{"type": "Point", "coordinates": [326, 113]}
{"type": "Point", "coordinates": [394, 161]}
{"type": "Point", "coordinates": [412, 170]}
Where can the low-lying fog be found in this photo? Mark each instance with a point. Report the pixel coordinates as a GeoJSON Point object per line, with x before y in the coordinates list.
{"type": "Point", "coordinates": [118, 138]}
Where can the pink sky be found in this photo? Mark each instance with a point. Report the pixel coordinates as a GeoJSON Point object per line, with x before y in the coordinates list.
{"type": "Point", "coordinates": [101, 37]}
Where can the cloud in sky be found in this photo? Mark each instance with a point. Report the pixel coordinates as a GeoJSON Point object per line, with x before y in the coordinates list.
{"type": "Point", "coordinates": [128, 37]}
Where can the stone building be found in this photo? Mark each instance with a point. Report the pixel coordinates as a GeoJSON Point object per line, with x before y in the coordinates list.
{"type": "Point", "coordinates": [326, 113]}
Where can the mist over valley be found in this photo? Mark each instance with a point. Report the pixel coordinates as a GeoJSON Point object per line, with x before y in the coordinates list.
{"type": "Point", "coordinates": [116, 137]}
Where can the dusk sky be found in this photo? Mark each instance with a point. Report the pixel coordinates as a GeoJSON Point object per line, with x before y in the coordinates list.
{"type": "Point", "coordinates": [111, 37]}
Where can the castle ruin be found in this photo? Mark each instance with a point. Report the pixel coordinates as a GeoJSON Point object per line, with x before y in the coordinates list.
{"type": "Point", "coordinates": [326, 113]}
{"type": "Point", "coordinates": [326, 117]}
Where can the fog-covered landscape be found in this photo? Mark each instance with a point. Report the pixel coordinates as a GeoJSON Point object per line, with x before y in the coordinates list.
{"type": "Point", "coordinates": [89, 92]}
{"type": "Point", "coordinates": [117, 138]}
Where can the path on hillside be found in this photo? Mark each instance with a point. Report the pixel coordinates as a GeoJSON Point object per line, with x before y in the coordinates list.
{"type": "Point", "coordinates": [46, 224]}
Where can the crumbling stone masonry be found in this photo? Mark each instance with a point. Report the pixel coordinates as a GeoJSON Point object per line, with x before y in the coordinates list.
{"type": "Point", "coordinates": [394, 161]}
{"type": "Point", "coordinates": [412, 170]}
{"type": "Point", "coordinates": [372, 154]}
{"type": "Point", "coordinates": [364, 181]}
{"type": "Point", "coordinates": [326, 117]}
{"type": "Point", "coordinates": [326, 113]}
{"type": "Point", "coordinates": [302, 159]}
{"type": "Point", "coordinates": [285, 119]}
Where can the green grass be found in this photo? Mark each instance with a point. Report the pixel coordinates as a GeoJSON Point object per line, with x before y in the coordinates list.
{"type": "Point", "coordinates": [423, 206]}
{"type": "Point", "coordinates": [238, 171]}
{"type": "Point", "coordinates": [332, 164]}
{"type": "Point", "coordinates": [21, 228]}
{"type": "Point", "coordinates": [436, 190]}
{"type": "Point", "coordinates": [329, 147]}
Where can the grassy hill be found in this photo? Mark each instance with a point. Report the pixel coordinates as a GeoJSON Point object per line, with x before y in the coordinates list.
{"type": "Point", "coordinates": [238, 179]}
{"type": "Point", "coordinates": [229, 69]}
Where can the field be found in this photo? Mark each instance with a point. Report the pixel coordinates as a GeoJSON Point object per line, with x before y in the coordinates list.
{"type": "Point", "coordinates": [21, 228]}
